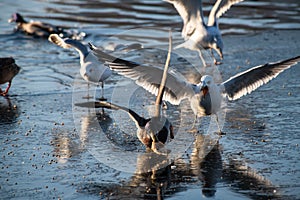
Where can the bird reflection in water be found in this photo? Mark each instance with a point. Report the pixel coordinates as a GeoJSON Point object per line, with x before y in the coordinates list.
{"type": "Point", "coordinates": [9, 112]}
{"type": "Point", "coordinates": [206, 163]}
{"type": "Point", "coordinates": [156, 174]}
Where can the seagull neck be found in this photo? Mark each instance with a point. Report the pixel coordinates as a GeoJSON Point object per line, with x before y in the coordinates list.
{"type": "Point", "coordinates": [81, 48]}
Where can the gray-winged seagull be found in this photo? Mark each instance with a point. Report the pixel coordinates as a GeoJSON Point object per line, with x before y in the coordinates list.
{"type": "Point", "coordinates": [205, 97]}
{"type": "Point", "coordinates": [154, 130]}
{"type": "Point", "coordinates": [91, 69]}
{"type": "Point", "coordinates": [195, 31]}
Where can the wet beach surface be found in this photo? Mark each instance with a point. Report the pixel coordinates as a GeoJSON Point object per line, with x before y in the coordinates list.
{"type": "Point", "coordinates": [50, 148]}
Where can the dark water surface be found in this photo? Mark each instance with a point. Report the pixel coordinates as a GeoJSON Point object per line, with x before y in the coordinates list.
{"type": "Point", "coordinates": [51, 149]}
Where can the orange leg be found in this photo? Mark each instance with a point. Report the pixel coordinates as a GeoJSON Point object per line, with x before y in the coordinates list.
{"type": "Point", "coordinates": [6, 91]}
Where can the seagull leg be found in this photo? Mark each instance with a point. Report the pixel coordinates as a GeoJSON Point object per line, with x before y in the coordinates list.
{"type": "Point", "coordinates": [202, 59]}
{"type": "Point", "coordinates": [194, 128]}
{"type": "Point", "coordinates": [215, 60]}
{"type": "Point", "coordinates": [153, 145]}
{"type": "Point", "coordinates": [7, 89]}
{"type": "Point", "coordinates": [219, 132]}
{"type": "Point", "coordinates": [102, 92]}
{"type": "Point", "coordinates": [155, 142]}
{"type": "Point", "coordinates": [88, 92]}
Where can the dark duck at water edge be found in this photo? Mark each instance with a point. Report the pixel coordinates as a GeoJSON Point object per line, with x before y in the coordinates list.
{"type": "Point", "coordinates": [8, 70]}
{"type": "Point", "coordinates": [35, 28]}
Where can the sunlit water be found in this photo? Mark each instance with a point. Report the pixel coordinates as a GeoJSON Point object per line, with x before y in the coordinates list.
{"type": "Point", "coordinates": [47, 143]}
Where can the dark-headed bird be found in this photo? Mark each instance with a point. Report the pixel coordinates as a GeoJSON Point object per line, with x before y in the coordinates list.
{"type": "Point", "coordinates": [8, 70]}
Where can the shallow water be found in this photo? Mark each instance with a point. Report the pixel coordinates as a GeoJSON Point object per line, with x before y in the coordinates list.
{"type": "Point", "coordinates": [53, 149]}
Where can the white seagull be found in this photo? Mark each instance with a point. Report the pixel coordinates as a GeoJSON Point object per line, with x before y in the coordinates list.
{"type": "Point", "coordinates": [196, 32]}
{"type": "Point", "coordinates": [205, 97]}
{"type": "Point", "coordinates": [91, 69]}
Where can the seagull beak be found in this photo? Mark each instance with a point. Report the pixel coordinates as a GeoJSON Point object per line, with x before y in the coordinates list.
{"type": "Point", "coordinates": [204, 89]}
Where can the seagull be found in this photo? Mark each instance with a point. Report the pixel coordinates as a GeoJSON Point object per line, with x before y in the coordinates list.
{"type": "Point", "coordinates": [159, 126]}
{"type": "Point", "coordinates": [91, 69]}
{"type": "Point", "coordinates": [206, 96]}
{"type": "Point", "coordinates": [153, 131]}
{"type": "Point", "coordinates": [8, 70]}
{"type": "Point", "coordinates": [196, 32]}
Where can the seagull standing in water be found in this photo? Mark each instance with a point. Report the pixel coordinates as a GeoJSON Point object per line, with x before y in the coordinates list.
{"type": "Point", "coordinates": [196, 33]}
{"type": "Point", "coordinates": [205, 97]}
{"type": "Point", "coordinates": [91, 69]}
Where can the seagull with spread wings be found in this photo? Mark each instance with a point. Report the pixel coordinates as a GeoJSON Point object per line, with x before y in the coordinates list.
{"type": "Point", "coordinates": [151, 131]}
{"type": "Point", "coordinates": [205, 97]}
{"type": "Point", "coordinates": [196, 33]}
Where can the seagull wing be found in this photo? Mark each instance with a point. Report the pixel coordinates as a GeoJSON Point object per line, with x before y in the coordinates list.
{"type": "Point", "coordinates": [191, 14]}
{"type": "Point", "coordinates": [220, 7]}
{"type": "Point", "coordinates": [68, 43]}
{"type": "Point", "coordinates": [55, 39]}
{"type": "Point", "coordinates": [148, 77]}
{"type": "Point", "coordinates": [248, 81]}
{"type": "Point", "coordinates": [139, 121]}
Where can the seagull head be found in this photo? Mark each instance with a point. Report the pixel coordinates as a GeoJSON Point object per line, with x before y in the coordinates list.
{"type": "Point", "coordinates": [204, 85]}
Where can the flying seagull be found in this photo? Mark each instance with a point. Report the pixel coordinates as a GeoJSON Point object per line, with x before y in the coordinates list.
{"type": "Point", "coordinates": [206, 96]}
{"type": "Point", "coordinates": [8, 70]}
{"type": "Point", "coordinates": [91, 69]}
{"type": "Point", "coordinates": [198, 34]}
